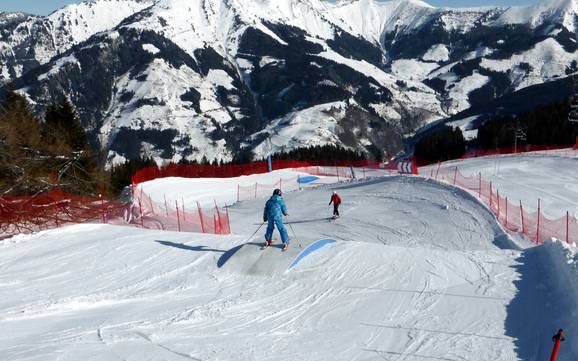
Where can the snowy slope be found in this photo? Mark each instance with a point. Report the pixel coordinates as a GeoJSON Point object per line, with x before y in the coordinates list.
{"type": "Point", "coordinates": [420, 270]}
{"type": "Point", "coordinates": [527, 178]}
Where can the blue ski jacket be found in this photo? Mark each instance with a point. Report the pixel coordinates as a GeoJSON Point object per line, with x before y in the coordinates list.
{"type": "Point", "coordinates": [275, 208]}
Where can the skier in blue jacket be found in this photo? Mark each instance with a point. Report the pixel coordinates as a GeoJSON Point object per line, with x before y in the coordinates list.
{"type": "Point", "coordinates": [273, 214]}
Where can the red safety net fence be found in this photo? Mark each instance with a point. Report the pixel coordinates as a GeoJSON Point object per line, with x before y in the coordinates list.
{"type": "Point", "coordinates": [53, 209]}
{"type": "Point", "coordinates": [513, 216]}
{"type": "Point", "coordinates": [178, 216]}
{"type": "Point", "coordinates": [23, 214]}
{"type": "Point", "coordinates": [323, 168]}
{"type": "Point", "coordinates": [259, 190]}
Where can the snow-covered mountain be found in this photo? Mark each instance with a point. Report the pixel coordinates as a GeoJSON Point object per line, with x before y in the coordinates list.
{"type": "Point", "coordinates": [185, 78]}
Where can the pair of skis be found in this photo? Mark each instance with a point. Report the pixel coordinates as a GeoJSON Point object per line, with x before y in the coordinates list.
{"type": "Point", "coordinates": [267, 245]}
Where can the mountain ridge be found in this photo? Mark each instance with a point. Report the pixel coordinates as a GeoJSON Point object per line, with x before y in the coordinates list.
{"type": "Point", "coordinates": [179, 79]}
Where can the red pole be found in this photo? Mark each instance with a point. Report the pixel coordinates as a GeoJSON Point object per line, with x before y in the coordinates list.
{"type": "Point", "coordinates": [455, 175]}
{"type": "Point", "coordinates": [184, 217]}
{"type": "Point", "coordinates": [166, 206]}
{"type": "Point", "coordinates": [151, 203]}
{"type": "Point", "coordinates": [506, 212]}
{"type": "Point", "coordinates": [567, 223]}
{"type": "Point", "coordinates": [498, 197]}
{"type": "Point", "coordinates": [218, 213]}
{"type": "Point", "coordinates": [522, 217]}
{"type": "Point", "coordinates": [557, 338]}
{"type": "Point", "coordinates": [178, 215]}
{"type": "Point", "coordinates": [438, 171]}
{"type": "Point", "coordinates": [538, 225]}
{"type": "Point", "coordinates": [491, 195]}
{"type": "Point", "coordinates": [215, 224]}
{"type": "Point", "coordinates": [480, 189]}
{"type": "Point", "coordinates": [201, 217]}
{"type": "Point", "coordinates": [55, 202]}
{"type": "Point", "coordinates": [102, 208]}
{"type": "Point", "coordinates": [141, 215]}
{"type": "Point", "coordinates": [228, 221]}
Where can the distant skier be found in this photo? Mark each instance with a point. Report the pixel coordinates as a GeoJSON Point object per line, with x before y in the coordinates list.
{"type": "Point", "coordinates": [273, 213]}
{"type": "Point", "coordinates": [336, 200]}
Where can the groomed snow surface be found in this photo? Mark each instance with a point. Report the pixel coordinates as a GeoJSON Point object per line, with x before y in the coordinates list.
{"type": "Point", "coordinates": [420, 270]}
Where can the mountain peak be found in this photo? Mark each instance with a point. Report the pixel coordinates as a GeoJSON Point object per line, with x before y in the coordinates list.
{"type": "Point", "coordinates": [563, 12]}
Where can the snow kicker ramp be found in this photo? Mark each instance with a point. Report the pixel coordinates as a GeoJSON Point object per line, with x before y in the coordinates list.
{"type": "Point", "coordinates": [249, 258]}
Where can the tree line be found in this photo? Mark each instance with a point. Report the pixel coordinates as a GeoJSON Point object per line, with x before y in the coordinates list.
{"type": "Point", "coordinates": [38, 154]}
{"type": "Point", "coordinates": [546, 125]}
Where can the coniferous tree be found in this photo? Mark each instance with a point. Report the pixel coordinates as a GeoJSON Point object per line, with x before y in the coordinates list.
{"type": "Point", "coordinates": [21, 161]}
{"type": "Point", "coordinates": [62, 126]}
{"type": "Point", "coordinates": [446, 143]}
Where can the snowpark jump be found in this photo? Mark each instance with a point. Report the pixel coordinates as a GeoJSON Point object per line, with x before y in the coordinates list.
{"type": "Point", "coordinates": [419, 270]}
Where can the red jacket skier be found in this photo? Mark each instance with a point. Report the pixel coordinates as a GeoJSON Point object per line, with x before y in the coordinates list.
{"type": "Point", "coordinates": [336, 200]}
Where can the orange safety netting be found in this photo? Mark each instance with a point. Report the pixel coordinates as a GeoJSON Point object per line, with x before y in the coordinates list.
{"type": "Point", "coordinates": [179, 217]}
{"type": "Point", "coordinates": [19, 214]}
{"type": "Point", "coordinates": [534, 225]}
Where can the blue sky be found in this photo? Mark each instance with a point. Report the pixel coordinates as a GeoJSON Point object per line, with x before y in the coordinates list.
{"type": "Point", "coordinates": [44, 7]}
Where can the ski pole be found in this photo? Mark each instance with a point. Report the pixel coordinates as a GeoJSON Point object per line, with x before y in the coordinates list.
{"type": "Point", "coordinates": [254, 233]}
{"type": "Point", "coordinates": [294, 234]}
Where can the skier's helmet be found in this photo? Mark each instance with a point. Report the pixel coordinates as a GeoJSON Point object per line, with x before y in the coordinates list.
{"type": "Point", "coordinates": [277, 192]}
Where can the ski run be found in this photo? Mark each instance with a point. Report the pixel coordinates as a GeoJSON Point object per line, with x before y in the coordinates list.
{"type": "Point", "coordinates": [420, 270]}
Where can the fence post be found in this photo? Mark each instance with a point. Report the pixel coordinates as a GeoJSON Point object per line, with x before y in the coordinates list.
{"type": "Point", "coordinates": [557, 338]}
{"type": "Point", "coordinates": [455, 174]}
{"type": "Point", "coordinates": [166, 206]}
{"type": "Point", "coordinates": [567, 225]}
{"type": "Point", "coordinates": [228, 221]}
{"type": "Point", "coordinates": [480, 189]}
{"type": "Point", "coordinates": [215, 224]}
{"type": "Point", "coordinates": [218, 214]}
{"type": "Point", "coordinates": [522, 217]}
{"type": "Point", "coordinates": [506, 212]}
{"type": "Point", "coordinates": [498, 199]}
{"type": "Point", "coordinates": [438, 170]}
{"type": "Point", "coordinates": [141, 214]}
{"type": "Point", "coordinates": [152, 205]}
{"type": "Point", "coordinates": [364, 173]}
{"type": "Point", "coordinates": [102, 207]}
{"type": "Point", "coordinates": [491, 194]}
{"type": "Point", "coordinates": [55, 202]}
{"type": "Point", "coordinates": [538, 224]}
{"type": "Point", "coordinates": [201, 217]}
{"type": "Point", "coordinates": [178, 215]}
{"type": "Point", "coordinates": [184, 217]}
